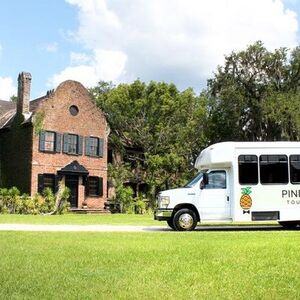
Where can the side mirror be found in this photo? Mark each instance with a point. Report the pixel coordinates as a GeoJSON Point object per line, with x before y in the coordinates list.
{"type": "Point", "coordinates": [204, 181]}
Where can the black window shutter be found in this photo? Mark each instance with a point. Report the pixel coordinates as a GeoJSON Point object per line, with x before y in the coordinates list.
{"type": "Point", "coordinates": [101, 144]}
{"type": "Point", "coordinates": [87, 185]}
{"type": "Point", "coordinates": [57, 142]}
{"type": "Point", "coordinates": [40, 183]}
{"type": "Point", "coordinates": [87, 145]}
{"type": "Point", "coordinates": [65, 148]}
{"type": "Point", "coordinates": [42, 141]}
{"type": "Point", "coordinates": [100, 186]}
{"type": "Point", "coordinates": [80, 145]}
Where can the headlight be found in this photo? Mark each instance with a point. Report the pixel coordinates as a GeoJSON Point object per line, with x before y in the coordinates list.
{"type": "Point", "coordinates": [163, 201]}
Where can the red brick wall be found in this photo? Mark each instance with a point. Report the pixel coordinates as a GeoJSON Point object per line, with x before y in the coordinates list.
{"type": "Point", "coordinates": [90, 121]}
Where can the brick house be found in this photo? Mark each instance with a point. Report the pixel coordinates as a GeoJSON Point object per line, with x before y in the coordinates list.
{"type": "Point", "coordinates": [60, 137]}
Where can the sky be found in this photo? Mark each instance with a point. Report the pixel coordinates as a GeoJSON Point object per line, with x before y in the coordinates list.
{"type": "Point", "coordinates": [179, 41]}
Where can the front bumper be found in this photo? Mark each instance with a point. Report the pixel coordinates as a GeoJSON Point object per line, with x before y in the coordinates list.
{"type": "Point", "coordinates": [163, 214]}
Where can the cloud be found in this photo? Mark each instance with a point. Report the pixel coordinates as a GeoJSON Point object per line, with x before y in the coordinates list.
{"type": "Point", "coordinates": [101, 64]}
{"type": "Point", "coordinates": [180, 40]}
{"type": "Point", "coordinates": [79, 58]}
{"type": "Point", "coordinates": [7, 88]}
{"type": "Point", "coordinates": [52, 47]}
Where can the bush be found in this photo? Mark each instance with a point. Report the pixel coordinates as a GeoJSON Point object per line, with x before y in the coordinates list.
{"type": "Point", "coordinates": [124, 196]}
{"type": "Point", "coordinates": [49, 201]}
{"type": "Point", "coordinates": [12, 202]}
{"type": "Point", "coordinates": [125, 203]}
{"type": "Point", "coordinates": [9, 200]}
{"type": "Point", "coordinates": [140, 205]}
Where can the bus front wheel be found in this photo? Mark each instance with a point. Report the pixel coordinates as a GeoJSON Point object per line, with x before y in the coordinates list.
{"type": "Point", "coordinates": [185, 220]}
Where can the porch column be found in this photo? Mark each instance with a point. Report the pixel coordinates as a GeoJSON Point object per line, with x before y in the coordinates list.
{"type": "Point", "coordinates": [81, 192]}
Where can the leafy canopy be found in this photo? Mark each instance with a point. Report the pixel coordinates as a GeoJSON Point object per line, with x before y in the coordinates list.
{"type": "Point", "coordinates": [162, 123]}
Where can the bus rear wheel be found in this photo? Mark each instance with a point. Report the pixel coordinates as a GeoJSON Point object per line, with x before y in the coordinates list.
{"type": "Point", "coordinates": [185, 220]}
{"type": "Point", "coordinates": [289, 224]}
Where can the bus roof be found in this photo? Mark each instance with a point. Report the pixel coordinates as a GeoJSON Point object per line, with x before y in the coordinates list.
{"type": "Point", "coordinates": [222, 154]}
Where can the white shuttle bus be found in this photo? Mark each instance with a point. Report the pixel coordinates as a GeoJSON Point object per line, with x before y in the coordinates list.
{"type": "Point", "coordinates": [238, 181]}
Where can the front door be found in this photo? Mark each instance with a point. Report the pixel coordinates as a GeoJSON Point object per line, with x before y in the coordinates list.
{"type": "Point", "coordinates": [214, 197]}
{"type": "Point", "coordinates": [72, 184]}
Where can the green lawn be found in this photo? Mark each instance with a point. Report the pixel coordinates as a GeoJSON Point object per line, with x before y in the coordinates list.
{"type": "Point", "coordinates": [107, 219]}
{"type": "Point", "coordinates": [77, 219]}
{"type": "Point", "coordinates": [168, 265]}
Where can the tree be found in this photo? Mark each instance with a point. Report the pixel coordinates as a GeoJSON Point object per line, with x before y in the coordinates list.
{"type": "Point", "coordinates": [164, 125]}
{"type": "Point", "coordinates": [253, 96]}
{"type": "Point", "coordinates": [13, 98]}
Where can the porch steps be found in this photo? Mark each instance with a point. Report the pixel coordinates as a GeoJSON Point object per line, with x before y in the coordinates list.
{"type": "Point", "coordinates": [89, 211]}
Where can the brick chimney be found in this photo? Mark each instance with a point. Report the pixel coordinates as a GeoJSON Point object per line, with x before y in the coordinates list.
{"type": "Point", "coordinates": [24, 82]}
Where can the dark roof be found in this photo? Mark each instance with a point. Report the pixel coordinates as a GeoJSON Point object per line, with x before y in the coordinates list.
{"type": "Point", "coordinates": [6, 105]}
{"type": "Point", "coordinates": [33, 105]}
{"type": "Point", "coordinates": [8, 110]}
{"type": "Point", "coordinates": [74, 168]}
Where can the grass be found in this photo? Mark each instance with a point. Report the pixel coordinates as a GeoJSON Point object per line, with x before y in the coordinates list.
{"type": "Point", "coordinates": [105, 219]}
{"type": "Point", "coordinates": [169, 265]}
{"type": "Point", "coordinates": [77, 219]}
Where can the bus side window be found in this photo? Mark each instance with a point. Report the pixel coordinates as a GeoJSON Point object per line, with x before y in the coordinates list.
{"type": "Point", "coordinates": [295, 168]}
{"type": "Point", "coordinates": [248, 169]}
{"type": "Point", "coordinates": [273, 169]}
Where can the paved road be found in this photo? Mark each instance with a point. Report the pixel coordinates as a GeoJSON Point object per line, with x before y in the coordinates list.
{"type": "Point", "coordinates": [131, 228]}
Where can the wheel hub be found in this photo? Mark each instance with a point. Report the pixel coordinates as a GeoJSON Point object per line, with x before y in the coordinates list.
{"type": "Point", "coordinates": [185, 221]}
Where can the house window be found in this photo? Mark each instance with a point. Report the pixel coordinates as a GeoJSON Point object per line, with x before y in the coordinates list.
{"type": "Point", "coordinates": [273, 169]}
{"type": "Point", "coordinates": [50, 141]}
{"type": "Point", "coordinates": [248, 169]}
{"type": "Point", "coordinates": [93, 146]}
{"type": "Point", "coordinates": [73, 109]}
{"type": "Point", "coordinates": [72, 144]}
{"type": "Point", "coordinates": [46, 181]}
{"type": "Point", "coordinates": [95, 186]}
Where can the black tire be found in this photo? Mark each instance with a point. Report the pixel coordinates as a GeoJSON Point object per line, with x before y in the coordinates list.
{"type": "Point", "coordinates": [185, 220]}
{"type": "Point", "coordinates": [289, 224]}
{"type": "Point", "coordinates": [171, 224]}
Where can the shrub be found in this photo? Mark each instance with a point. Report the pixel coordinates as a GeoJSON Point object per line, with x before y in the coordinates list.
{"type": "Point", "coordinates": [140, 205]}
{"type": "Point", "coordinates": [9, 200]}
{"type": "Point", "coordinates": [124, 196]}
{"type": "Point", "coordinates": [21, 204]}
{"type": "Point", "coordinates": [49, 201]}
{"type": "Point", "coordinates": [12, 202]}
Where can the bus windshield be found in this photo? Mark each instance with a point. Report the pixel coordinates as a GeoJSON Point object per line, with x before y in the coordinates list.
{"type": "Point", "coordinates": [195, 179]}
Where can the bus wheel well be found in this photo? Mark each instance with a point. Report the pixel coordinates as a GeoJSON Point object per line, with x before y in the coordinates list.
{"type": "Point", "coordinates": [189, 206]}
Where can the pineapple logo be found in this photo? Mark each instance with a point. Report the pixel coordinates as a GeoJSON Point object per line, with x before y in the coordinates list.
{"type": "Point", "coordinates": [245, 200]}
